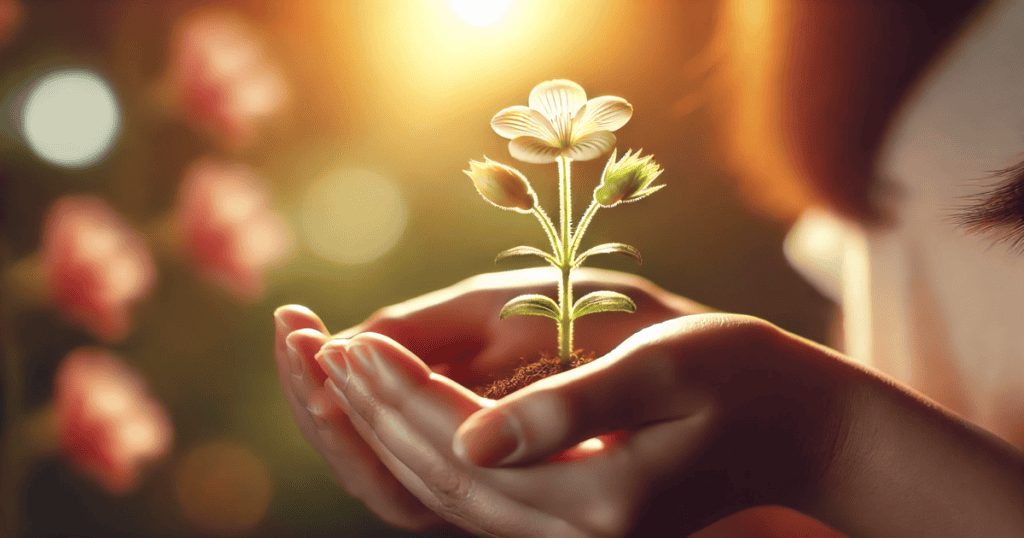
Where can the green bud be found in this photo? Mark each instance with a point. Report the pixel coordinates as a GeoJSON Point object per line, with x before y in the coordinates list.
{"type": "Point", "coordinates": [627, 179]}
{"type": "Point", "coordinates": [502, 185]}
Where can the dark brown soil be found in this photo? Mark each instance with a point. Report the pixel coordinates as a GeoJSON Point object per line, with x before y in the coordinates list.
{"type": "Point", "coordinates": [529, 373]}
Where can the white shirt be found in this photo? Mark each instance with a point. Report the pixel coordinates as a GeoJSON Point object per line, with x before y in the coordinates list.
{"type": "Point", "coordinates": [924, 301]}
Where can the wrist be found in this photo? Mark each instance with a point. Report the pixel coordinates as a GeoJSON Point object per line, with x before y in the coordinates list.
{"type": "Point", "coordinates": [905, 466]}
{"type": "Point", "coordinates": [782, 416]}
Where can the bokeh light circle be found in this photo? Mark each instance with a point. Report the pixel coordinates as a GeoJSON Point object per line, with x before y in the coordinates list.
{"type": "Point", "coordinates": [71, 118]}
{"type": "Point", "coordinates": [480, 12]}
{"type": "Point", "coordinates": [223, 488]}
{"type": "Point", "coordinates": [353, 216]}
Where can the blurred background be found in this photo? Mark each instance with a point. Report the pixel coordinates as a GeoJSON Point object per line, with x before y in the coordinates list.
{"type": "Point", "coordinates": [172, 171]}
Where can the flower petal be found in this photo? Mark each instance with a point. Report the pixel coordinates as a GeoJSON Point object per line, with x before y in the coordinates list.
{"type": "Point", "coordinates": [533, 150]}
{"type": "Point", "coordinates": [517, 121]}
{"type": "Point", "coordinates": [590, 146]}
{"type": "Point", "coordinates": [607, 113]}
{"type": "Point", "coordinates": [557, 98]}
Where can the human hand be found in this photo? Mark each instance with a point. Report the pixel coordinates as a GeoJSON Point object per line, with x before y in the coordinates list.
{"type": "Point", "coordinates": [447, 330]}
{"type": "Point", "coordinates": [299, 334]}
{"type": "Point", "coordinates": [684, 423]}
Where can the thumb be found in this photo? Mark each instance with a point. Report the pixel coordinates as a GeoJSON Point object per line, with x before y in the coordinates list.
{"type": "Point", "coordinates": [637, 383]}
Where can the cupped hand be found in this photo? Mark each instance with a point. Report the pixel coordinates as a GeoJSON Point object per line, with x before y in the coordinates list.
{"type": "Point", "coordinates": [456, 331]}
{"type": "Point", "coordinates": [685, 422]}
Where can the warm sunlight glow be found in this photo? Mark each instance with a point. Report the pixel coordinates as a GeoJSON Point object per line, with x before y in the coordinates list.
{"type": "Point", "coordinates": [353, 216]}
{"type": "Point", "coordinates": [71, 118]}
{"type": "Point", "coordinates": [480, 12]}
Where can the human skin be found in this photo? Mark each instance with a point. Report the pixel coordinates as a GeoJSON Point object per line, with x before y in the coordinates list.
{"type": "Point", "coordinates": [708, 414]}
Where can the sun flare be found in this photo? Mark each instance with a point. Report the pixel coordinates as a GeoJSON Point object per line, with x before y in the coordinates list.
{"type": "Point", "coordinates": [480, 12]}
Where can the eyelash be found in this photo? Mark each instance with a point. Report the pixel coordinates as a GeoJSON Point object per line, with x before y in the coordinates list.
{"type": "Point", "coordinates": [999, 212]}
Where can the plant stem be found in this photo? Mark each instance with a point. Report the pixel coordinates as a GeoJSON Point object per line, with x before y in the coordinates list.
{"type": "Point", "coordinates": [549, 229]}
{"type": "Point", "coordinates": [565, 285]}
{"type": "Point", "coordinates": [577, 236]}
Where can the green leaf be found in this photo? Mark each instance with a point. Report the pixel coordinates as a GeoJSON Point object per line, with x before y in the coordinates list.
{"type": "Point", "coordinates": [610, 248]}
{"type": "Point", "coordinates": [530, 305]}
{"type": "Point", "coordinates": [526, 251]}
{"type": "Point", "coordinates": [602, 301]}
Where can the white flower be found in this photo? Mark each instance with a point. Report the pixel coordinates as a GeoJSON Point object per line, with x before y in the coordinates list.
{"type": "Point", "coordinates": [561, 122]}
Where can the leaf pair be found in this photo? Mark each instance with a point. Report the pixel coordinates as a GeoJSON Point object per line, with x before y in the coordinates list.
{"type": "Point", "coordinates": [607, 248]}
{"type": "Point", "coordinates": [591, 303]}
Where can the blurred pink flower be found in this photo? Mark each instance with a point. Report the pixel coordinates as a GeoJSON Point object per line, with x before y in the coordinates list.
{"type": "Point", "coordinates": [228, 227]}
{"type": "Point", "coordinates": [222, 77]}
{"type": "Point", "coordinates": [108, 425]}
{"type": "Point", "coordinates": [96, 266]}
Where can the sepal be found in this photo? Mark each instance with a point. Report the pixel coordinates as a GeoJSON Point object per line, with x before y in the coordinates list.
{"type": "Point", "coordinates": [501, 185]}
{"type": "Point", "coordinates": [627, 179]}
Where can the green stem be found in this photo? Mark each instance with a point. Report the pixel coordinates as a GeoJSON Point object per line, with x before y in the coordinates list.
{"type": "Point", "coordinates": [564, 285]}
{"type": "Point", "coordinates": [549, 229]}
{"type": "Point", "coordinates": [577, 236]}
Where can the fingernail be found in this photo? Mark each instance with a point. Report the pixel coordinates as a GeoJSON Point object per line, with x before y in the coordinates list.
{"type": "Point", "coordinates": [295, 360]}
{"type": "Point", "coordinates": [334, 360]}
{"type": "Point", "coordinates": [494, 439]}
{"type": "Point", "coordinates": [279, 320]}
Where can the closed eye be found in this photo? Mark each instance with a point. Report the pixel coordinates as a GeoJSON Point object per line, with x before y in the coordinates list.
{"type": "Point", "coordinates": [997, 213]}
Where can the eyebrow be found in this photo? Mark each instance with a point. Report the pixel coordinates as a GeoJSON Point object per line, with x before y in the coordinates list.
{"type": "Point", "coordinates": [998, 212]}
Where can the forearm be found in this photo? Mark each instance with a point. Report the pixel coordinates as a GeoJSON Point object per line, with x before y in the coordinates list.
{"type": "Point", "coordinates": [906, 467]}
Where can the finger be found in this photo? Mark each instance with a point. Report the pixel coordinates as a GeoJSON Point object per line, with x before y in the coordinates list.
{"type": "Point", "coordinates": [638, 383]}
{"type": "Point", "coordinates": [408, 416]}
{"type": "Point", "coordinates": [288, 319]}
{"type": "Point", "coordinates": [364, 476]}
{"type": "Point", "coordinates": [354, 463]}
{"type": "Point", "coordinates": [323, 425]}
{"type": "Point", "coordinates": [397, 468]}
{"type": "Point", "coordinates": [392, 379]}
{"type": "Point", "coordinates": [301, 389]}
{"type": "Point", "coordinates": [306, 375]}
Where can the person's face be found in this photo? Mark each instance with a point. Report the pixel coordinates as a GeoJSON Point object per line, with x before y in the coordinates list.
{"type": "Point", "coordinates": [814, 88]}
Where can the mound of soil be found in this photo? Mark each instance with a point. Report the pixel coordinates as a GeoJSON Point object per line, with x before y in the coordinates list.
{"type": "Point", "coordinates": [528, 373]}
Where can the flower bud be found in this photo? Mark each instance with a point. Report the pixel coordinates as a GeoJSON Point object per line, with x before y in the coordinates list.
{"type": "Point", "coordinates": [627, 179]}
{"type": "Point", "coordinates": [502, 185]}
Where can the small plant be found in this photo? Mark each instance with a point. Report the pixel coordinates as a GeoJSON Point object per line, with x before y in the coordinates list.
{"type": "Point", "coordinates": [561, 126]}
